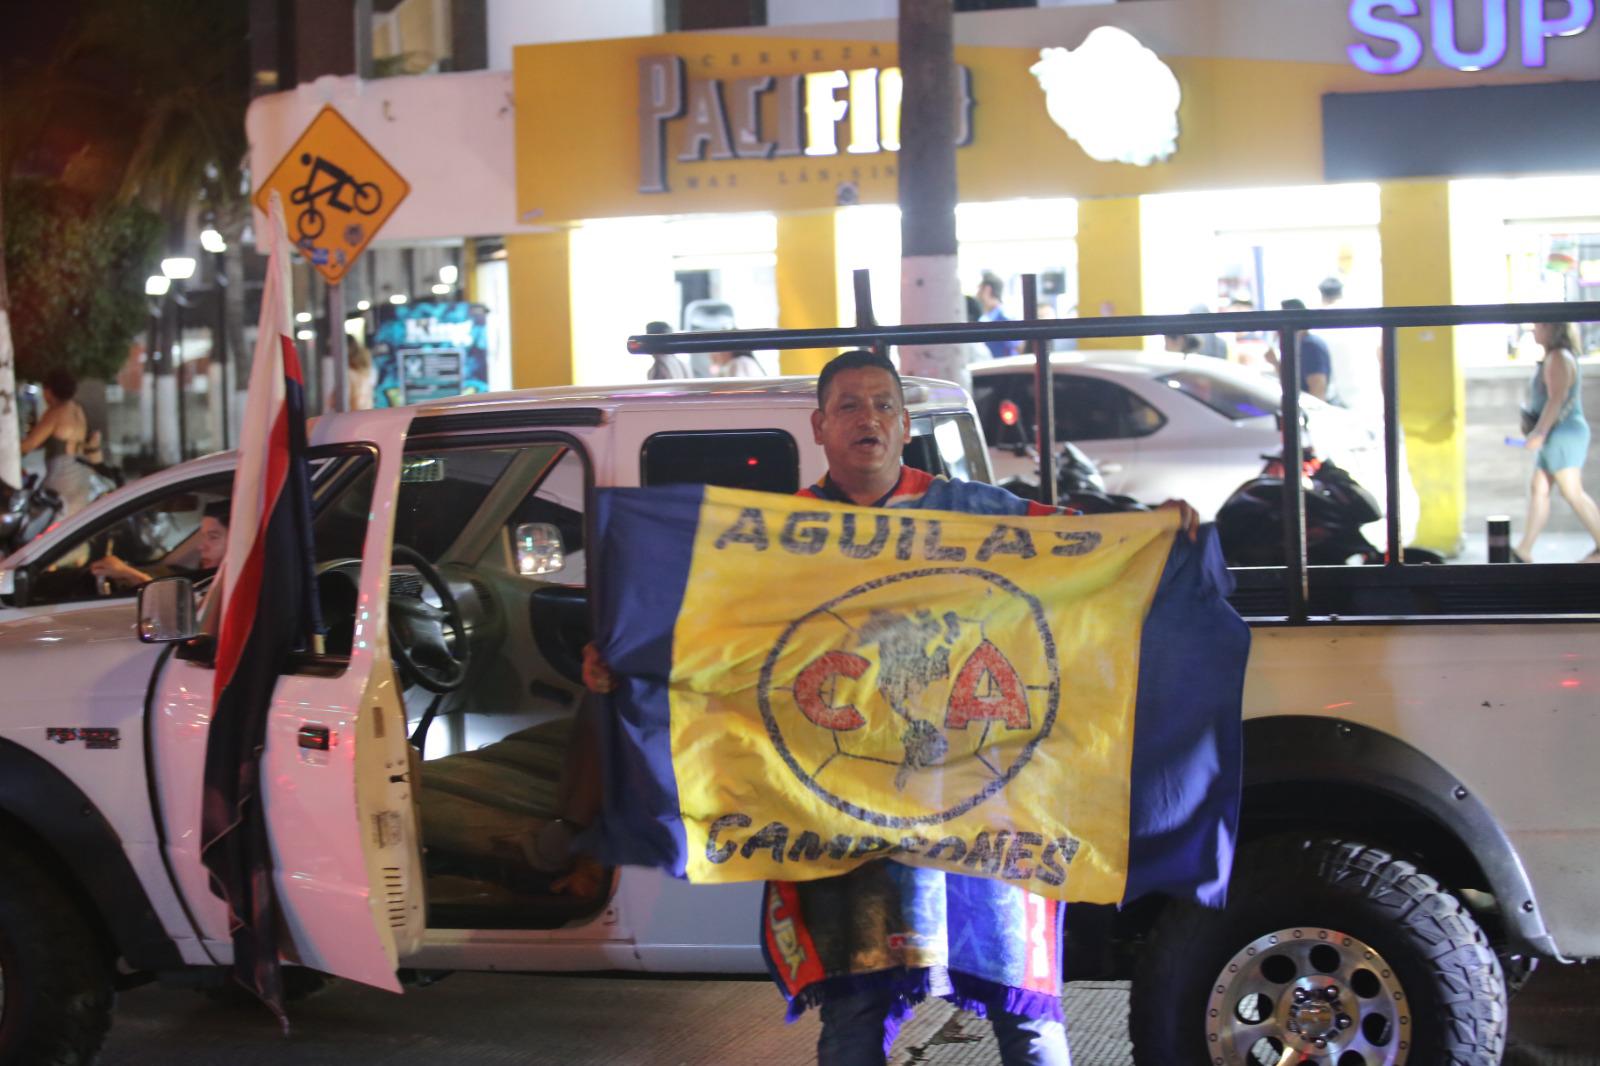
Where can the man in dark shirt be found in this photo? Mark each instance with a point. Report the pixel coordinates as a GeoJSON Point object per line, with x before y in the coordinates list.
{"type": "Point", "coordinates": [1316, 366]}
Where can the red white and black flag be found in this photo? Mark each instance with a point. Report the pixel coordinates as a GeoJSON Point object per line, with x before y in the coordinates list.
{"type": "Point", "coordinates": [268, 610]}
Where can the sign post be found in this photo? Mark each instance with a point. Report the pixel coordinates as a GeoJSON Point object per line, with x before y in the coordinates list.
{"type": "Point", "coordinates": [337, 192]}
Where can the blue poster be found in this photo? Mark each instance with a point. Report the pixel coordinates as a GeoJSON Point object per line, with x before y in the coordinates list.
{"type": "Point", "coordinates": [429, 350]}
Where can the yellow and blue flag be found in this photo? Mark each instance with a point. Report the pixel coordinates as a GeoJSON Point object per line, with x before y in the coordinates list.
{"type": "Point", "coordinates": [1052, 702]}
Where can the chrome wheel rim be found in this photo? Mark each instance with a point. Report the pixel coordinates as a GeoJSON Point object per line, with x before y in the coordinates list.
{"type": "Point", "coordinates": [1308, 995]}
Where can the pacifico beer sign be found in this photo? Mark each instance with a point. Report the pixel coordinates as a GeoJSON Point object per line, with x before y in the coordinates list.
{"type": "Point", "coordinates": [823, 113]}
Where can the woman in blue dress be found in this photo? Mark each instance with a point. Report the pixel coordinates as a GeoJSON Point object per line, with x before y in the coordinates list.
{"type": "Point", "coordinates": [1560, 436]}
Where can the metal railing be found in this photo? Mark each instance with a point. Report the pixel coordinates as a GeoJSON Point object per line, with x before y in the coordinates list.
{"type": "Point", "coordinates": [1038, 333]}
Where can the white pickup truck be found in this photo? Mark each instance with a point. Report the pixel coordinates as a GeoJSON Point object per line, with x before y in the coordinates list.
{"type": "Point", "coordinates": [1417, 794]}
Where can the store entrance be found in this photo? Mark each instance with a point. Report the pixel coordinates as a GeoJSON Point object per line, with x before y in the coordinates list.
{"type": "Point", "coordinates": [697, 273]}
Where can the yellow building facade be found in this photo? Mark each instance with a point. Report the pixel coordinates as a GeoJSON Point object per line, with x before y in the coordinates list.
{"type": "Point", "coordinates": [804, 129]}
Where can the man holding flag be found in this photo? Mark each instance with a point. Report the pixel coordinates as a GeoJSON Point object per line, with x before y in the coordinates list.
{"type": "Point", "coordinates": [867, 945]}
{"type": "Point", "coordinates": [268, 609]}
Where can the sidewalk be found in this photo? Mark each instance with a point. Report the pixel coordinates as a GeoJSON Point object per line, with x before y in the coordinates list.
{"type": "Point", "coordinates": [1561, 547]}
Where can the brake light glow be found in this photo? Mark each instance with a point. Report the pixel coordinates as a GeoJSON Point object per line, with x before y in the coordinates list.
{"type": "Point", "coordinates": [1009, 415]}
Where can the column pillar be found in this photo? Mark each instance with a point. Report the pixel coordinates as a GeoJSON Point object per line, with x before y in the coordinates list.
{"type": "Point", "coordinates": [1414, 228]}
{"type": "Point", "coordinates": [808, 284]}
{"type": "Point", "coordinates": [539, 282]}
{"type": "Point", "coordinates": [1110, 266]}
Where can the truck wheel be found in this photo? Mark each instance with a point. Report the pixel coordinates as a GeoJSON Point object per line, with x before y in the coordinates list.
{"type": "Point", "coordinates": [56, 988]}
{"type": "Point", "coordinates": [1328, 952]}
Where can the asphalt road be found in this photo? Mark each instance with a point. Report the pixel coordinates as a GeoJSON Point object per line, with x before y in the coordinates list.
{"type": "Point", "coordinates": [515, 1019]}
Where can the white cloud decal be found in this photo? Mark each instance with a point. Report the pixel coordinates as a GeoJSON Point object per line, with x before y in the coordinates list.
{"type": "Point", "coordinates": [1112, 95]}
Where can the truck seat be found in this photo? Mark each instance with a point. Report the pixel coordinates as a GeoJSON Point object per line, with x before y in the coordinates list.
{"type": "Point", "coordinates": [480, 811]}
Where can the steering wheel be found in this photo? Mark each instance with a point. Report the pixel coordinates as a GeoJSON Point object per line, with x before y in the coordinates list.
{"type": "Point", "coordinates": [417, 636]}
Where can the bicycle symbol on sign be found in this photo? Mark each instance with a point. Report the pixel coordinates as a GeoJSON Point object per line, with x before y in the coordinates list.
{"type": "Point", "coordinates": [311, 222]}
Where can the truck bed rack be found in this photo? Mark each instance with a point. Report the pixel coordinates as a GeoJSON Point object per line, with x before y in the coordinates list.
{"type": "Point", "coordinates": [1288, 592]}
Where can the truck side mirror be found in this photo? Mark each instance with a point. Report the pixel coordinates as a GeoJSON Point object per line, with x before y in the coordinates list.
{"type": "Point", "coordinates": [166, 611]}
{"type": "Point", "coordinates": [539, 549]}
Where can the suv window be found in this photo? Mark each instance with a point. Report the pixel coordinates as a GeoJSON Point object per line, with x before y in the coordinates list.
{"type": "Point", "coordinates": [1231, 399]}
{"type": "Point", "coordinates": [559, 502]}
{"type": "Point", "coordinates": [1095, 409]}
{"type": "Point", "coordinates": [456, 504]}
{"type": "Point", "coordinates": [766, 460]}
{"type": "Point", "coordinates": [947, 444]}
{"type": "Point", "coordinates": [1087, 408]}
{"type": "Point", "coordinates": [155, 535]}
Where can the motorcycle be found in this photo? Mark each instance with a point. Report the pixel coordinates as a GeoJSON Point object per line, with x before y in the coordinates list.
{"type": "Point", "coordinates": [25, 512]}
{"type": "Point", "coordinates": [1078, 483]}
{"type": "Point", "coordinates": [32, 509]}
{"type": "Point", "coordinates": [1250, 521]}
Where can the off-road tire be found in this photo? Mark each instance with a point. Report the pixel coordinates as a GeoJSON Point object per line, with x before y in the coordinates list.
{"type": "Point", "coordinates": [58, 991]}
{"type": "Point", "coordinates": [1436, 955]}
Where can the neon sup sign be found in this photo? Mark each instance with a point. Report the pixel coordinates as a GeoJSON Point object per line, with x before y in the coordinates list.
{"type": "Point", "coordinates": [1403, 44]}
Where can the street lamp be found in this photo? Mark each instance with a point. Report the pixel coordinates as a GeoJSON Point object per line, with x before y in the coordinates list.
{"type": "Point", "coordinates": [178, 267]}
{"type": "Point", "coordinates": [212, 241]}
{"type": "Point", "coordinates": [156, 286]}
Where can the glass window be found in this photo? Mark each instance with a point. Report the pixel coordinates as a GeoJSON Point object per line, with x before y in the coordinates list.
{"type": "Point", "coordinates": [1089, 408]}
{"type": "Point", "coordinates": [681, 15]}
{"type": "Point", "coordinates": [158, 536]}
{"type": "Point", "coordinates": [1231, 399]}
{"type": "Point", "coordinates": [455, 506]}
{"type": "Point", "coordinates": [343, 510]}
{"type": "Point", "coordinates": [441, 491]}
{"type": "Point", "coordinates": [1005, 408]}
{"type": "Point", "coordinates": [948, 445]}
{"type": "Point", "coordinates": [342, 487]}
{"type": "Point", "coordinates": [558, 502]}
{"type": "Point", "coordinates": [765, 460]}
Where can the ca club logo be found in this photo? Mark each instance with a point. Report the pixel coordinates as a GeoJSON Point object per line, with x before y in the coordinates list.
{"type": "Point", "coordinates": [902, 715]}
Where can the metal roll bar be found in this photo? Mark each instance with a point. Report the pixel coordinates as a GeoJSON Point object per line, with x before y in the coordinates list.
{"type": "Point", "coordinates": [1038, 333]}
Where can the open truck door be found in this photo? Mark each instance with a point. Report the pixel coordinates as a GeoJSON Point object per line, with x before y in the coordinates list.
{"type": "Point", "coordinates": [337, 782]}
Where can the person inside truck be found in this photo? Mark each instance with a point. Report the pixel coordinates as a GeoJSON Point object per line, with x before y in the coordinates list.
{"type": "Point", "coordinates": [862, 425]}
{"type": "Point", "coordinates": [211, 540]}
{"type": "Point", "coordinates": [1559, 434]}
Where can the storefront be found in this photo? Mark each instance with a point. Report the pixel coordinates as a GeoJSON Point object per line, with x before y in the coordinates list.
{"type": "Point", "coordinates": [1256, 189]}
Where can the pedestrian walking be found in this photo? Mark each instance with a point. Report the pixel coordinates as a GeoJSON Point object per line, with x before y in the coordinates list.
{"type": "Point", "coordinates": [1559, 435]}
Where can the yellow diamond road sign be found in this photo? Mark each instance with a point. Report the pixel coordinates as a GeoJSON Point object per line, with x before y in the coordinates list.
{"type": "Point", "coordinates": [336, 190]}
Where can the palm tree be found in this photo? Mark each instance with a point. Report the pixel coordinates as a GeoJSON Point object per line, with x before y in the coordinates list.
{"type": "Point", "coordinates": [183, 106]}
{"type": "Point", "coordinates": [140, 100]}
